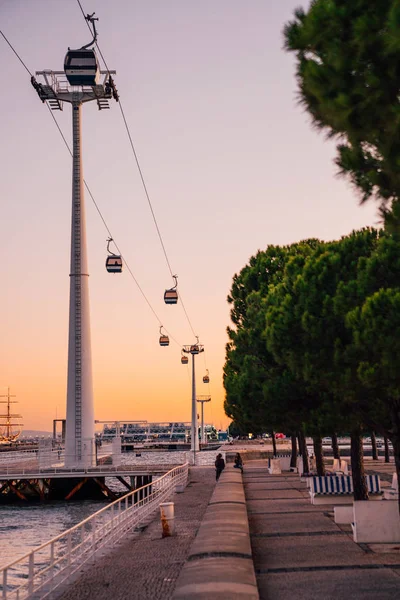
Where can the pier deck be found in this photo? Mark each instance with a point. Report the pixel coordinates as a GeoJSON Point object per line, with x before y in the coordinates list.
{"type": "Point", "coordinates": [299, 552]}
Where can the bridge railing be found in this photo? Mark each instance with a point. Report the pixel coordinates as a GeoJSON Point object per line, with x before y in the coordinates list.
{"type": "Point", "coordinates": [17, 456]}
{"type": "Point", "coordinates": [38, 573]}
{"type": "Point", "coordinates": [47, 472]}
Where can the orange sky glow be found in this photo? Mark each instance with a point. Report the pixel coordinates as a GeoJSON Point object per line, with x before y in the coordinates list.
{"type": "Point", "coordinates": [231, 164]}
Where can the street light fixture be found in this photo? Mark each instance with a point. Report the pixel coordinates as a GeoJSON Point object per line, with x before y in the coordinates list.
{"type": "Point", "coordinates": [194, 350]}
{"type": "Point", "coordinates": [203, 399]}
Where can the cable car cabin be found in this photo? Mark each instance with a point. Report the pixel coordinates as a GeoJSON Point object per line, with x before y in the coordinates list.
{"type": "Point", "coordinates": [114, 264]}
{"type": "Point", "coordinates": [164, 340]}
{"type": "Point", "coordinates": [194, 349]}
{"type": "Point", "coordinates": [171, 296]}
{"type": "Point", "coordinates": [81, 67]}
{"type": "Point", "coordinates": [206, 379]}
{"type": "Point", "coordinates": [184, 360]}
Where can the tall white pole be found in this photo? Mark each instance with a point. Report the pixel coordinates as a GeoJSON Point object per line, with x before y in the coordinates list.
{"type": "Point", "coordinates": [194, 432]}
{"type": "Point", "coordinates": [202, 424]}
{"type": "Point", "coordinates": [79, 446]}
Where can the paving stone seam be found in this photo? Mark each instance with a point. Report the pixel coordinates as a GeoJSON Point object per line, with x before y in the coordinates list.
{"type": "Point", "coordinates": [296, 534]}
{"type": "Point", "coordinates": [227, 502]}
{"type": "Point", "coordinates": [286, 512]}
{"type": "Point", "coordinates": [280, 489]}
{"type": "Point", "coordinates": [222, 554]}
{"type": "Point", "coordinates": [279, 570]}
{"type": "Point", "coordinates": [230, 482]}
{"type": "Point", "coordinates": [255, 499]}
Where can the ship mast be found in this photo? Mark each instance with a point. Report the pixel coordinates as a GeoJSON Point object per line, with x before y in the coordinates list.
{"type": "Point", "coordinates": [9, 435]}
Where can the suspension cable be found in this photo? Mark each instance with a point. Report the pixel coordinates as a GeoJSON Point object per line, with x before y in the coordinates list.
{"type": "Point", "coordinates": [16, 54]}
{"type": "Point", "coordinates": [141, 175]}
{"type": "Point", "coordinates": [94, 201]}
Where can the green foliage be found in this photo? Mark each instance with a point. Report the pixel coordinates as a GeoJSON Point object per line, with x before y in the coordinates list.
{"type": "Point", "coordinates": [306, 329]}
{"type": "Point", "coordinates": [316, 342]}
{"type": "Point", "coordinates": [348, 72]}
{"type": "Point", "coordinates": [259, 394]}
{"type": "Point", "coordinates": [376, 328]}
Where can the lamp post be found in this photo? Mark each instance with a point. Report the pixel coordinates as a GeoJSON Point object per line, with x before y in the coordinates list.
{"type": "Point", "coordinates": [203, 399]}
{"type": "Point", "coordinates": [194, 350]}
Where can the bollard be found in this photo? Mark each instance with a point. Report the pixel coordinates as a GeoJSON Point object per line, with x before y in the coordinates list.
{"type": "Point", "coordinates": [167, 519]}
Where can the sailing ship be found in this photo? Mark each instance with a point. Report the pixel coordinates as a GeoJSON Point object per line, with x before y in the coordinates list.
{"type": "Point", "coordinates": [10, 425]}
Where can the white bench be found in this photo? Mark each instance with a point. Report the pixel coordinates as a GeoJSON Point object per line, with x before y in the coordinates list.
{"type": "Point", "coordinates": [392, 493]}
{"type": "Point", "coordinates": [338, 489]}
{"type": "Point", "coordinates": [284, 461]}
{"type": "Point", "coordinates": [340, 465]}
{"type": "Point", "coordinates": [274, 467]}
{"type": "Point", "coordinates": [376, 522]}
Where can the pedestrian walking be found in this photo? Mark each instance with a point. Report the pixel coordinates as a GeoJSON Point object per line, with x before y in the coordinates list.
{"type": "Point", "coordinates": [219, 466]}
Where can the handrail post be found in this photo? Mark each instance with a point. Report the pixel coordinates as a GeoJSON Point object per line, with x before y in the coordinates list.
{"type": "Point", "coordinates": [31, 572]}
{"type": "Point", "coordinates": [69, 550]}
{"type": "Point", "coordinates": [52, 559]}
{"type": "Point", "coordinates": [4, 583]}
{"type": "Point", "coordinates": [94, 535]}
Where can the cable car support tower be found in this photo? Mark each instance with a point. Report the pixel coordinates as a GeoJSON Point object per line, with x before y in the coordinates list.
{"type": "Point", "coordinates": [82, 81]}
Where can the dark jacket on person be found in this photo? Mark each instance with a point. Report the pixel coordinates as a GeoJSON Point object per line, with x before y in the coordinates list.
{"type": "Point", "coordinates": [238, 462]}
{"type": "Point", "coordinates": [219, 463]}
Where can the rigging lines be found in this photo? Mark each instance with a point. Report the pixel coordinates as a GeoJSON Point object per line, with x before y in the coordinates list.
{"type": "Point", "coordinates": [141, 176]}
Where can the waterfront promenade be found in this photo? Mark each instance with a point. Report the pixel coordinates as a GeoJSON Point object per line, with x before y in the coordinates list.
{"type": "Point", "coordinates": [298, 551]}
{"type": "Point", "coordinates": [144, 566]}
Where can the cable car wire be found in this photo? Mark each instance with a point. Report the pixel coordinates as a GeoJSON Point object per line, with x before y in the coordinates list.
{"type": "Point", "coordinates": [101, 215]}
{"type": "Point", "coordinates": [141, 175]}
{"type": "Point", "coordinates": [16, 54]}
{"type": "Point", "coordinates": [93, 199]}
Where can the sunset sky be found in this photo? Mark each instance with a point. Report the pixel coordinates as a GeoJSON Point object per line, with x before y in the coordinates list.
{"type": "Point", "coordinates": [231, 163]}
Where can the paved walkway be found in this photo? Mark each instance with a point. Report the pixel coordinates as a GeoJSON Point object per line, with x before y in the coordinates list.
{"type": "Point", "coordinates": [145, 566]}
{"type": "Point", "coordinates": [299, 552]}
{"type": "Point", "coordinates": [379, 467]}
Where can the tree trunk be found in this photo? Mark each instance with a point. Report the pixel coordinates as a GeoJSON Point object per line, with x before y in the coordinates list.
{"type": "Point", "coordinates": [396, 451]}
{"type": "Point", "coordinates": [273, 443]}
{"type": "Point", "coordinates": [374, 447]}
{"type": "Point", "coordinates": [335, 446]}
{"type": "Point", "coordinates": [304, 452]}
{"type": "Point", "coordinates": [293, 460]}
{"type": "Point", "coordinates": [319, 457]}
{"type": "Point", "coordinates": [357, 467]}
{"type": "Point", "coordinates": [387, 453]}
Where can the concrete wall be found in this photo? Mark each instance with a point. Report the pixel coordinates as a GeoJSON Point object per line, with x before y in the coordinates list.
{"type": "Point", "coordinates": [220, 564]}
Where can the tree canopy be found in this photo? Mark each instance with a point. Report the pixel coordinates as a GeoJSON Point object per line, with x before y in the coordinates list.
{"type": "Point", "coordinates": [348, 72]}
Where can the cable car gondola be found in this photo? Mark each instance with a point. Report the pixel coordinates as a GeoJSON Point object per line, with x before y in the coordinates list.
{"type": "Point", "coordinates": [184, 359]}
{"type": "Point", "coordinates": [206, 378]}
{"type": "Point", "coordinates": [195, 348]}
{"type": "Point", "coordinates": [113, 261]}
{"type": "Point", "coordinates": [171, 295]}
{"type": "Point", "coordinates": [164, 339]}
{"type": "Point", "coordinates": [81, 66]}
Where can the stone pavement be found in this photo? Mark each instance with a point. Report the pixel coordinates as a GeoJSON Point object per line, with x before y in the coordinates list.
{"type": "Point", "coordinates": [145, 566]}
{"type": "Point", "coordinates": [379, 467]}
{"type": "Point", "coordinates": [299, 552]}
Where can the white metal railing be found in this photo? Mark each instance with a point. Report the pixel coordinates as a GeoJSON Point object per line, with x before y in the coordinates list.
{"type": "Point", "coordinates": [17, 472]}
{"type": "Point", "coordinates": [38, 573]}
{"type": "Point", "coordinates": [17, 456]}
